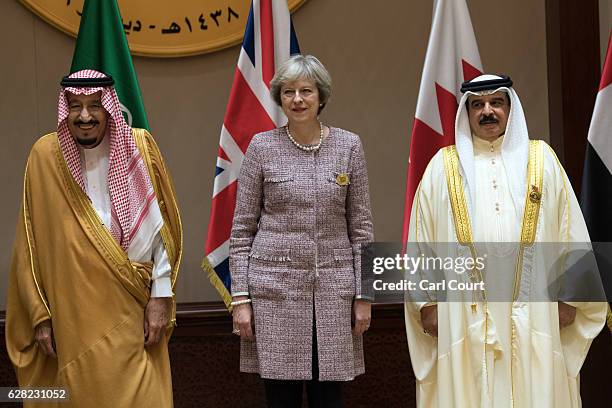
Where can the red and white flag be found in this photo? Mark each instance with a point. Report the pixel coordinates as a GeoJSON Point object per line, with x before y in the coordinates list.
{"type": "Point", "coordinates": [269, 40]}
{"type": "Point", "coordinates": [452, 57]}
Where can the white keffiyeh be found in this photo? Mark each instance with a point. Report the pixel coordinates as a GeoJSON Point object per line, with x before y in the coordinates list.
{"type": "Point", "coordinates": [514, 150]}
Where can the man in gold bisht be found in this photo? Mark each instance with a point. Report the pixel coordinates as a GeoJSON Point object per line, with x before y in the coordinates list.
{"type": "Point", "coordinates": [496, 186]}
{"type": "Point", "coordinates": [90, 300]}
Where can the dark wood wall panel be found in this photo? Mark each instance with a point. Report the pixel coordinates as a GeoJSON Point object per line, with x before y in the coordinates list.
{"type": "Point", "coordinates": [204, 357]}
{"type": "Point", "coordinates": [573, 54]}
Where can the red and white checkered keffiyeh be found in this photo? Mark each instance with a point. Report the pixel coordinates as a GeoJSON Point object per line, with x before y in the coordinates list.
{"type": "Point", "coordinates": [135, 214]}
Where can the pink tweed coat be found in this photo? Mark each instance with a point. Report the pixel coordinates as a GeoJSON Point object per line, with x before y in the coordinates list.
{"type": "Point", "coordinates": [295, 250]}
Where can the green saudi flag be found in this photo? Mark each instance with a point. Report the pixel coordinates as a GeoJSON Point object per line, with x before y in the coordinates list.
{"type": "Point", "coordinates": [101, 45]}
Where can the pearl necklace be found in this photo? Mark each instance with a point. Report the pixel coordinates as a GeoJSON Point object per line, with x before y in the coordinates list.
{"type": "Point", "coordinates": [306, 148]}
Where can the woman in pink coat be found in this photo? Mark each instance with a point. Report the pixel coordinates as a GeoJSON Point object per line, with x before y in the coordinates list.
{"type": "Point", "coordinates": [302, 213]}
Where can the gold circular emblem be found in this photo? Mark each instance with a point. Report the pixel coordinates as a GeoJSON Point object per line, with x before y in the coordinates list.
{"type": "Point", "coordinates": [342, 179]}
{"type": "Point", "coordinates": [163, 28]}
{"type": "Point", "coordinates": [535, 196]}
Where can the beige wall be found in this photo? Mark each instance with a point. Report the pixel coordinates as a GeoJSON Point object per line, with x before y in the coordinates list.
{"type": "Point", "coordinates": [374, 51]}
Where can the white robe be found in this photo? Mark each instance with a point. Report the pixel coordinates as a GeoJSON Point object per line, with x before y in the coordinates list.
{"type": "Point", "coordinates": [527, 361]}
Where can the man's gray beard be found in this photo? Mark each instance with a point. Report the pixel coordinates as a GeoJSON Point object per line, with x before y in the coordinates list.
{"type": "Point", "coordinates": [86, 142]}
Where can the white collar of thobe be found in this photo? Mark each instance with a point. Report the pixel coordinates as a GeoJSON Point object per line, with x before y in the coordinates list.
{"type": "Point", "coordinates": [100, 151]}
{"type": "Point", "coordinates": [482, 145]}
{"type": "Point", "coordinates": [147, 232]}
{"type": "Point", "coordinates": [96, 155]}
{"type": "Point", "coordinates": [514, 151]}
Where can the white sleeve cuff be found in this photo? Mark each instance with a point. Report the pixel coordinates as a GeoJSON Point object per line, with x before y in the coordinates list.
{"type": "Point", "coordinates": [161, 263]}
{"type": "Point", "coordinates": [364, 297]}
{"type": "Point", "coordinates": [161, 287]}
{"type": "Point", "coordinates": [421, 305]}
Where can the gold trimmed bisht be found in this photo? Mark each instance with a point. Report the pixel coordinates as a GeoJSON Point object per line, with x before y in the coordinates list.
{"type": "Point", "coordinates": [67, 267]}
{"type": "Point", "coordinates": [463, 227]}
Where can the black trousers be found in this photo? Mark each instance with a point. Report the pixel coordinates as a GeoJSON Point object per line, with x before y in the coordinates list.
{"type": "Point", "coordinates": [288, 393]}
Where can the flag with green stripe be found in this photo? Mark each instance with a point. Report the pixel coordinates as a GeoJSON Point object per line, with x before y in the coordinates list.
{"type": "Point", "coordinates": [102, 45]}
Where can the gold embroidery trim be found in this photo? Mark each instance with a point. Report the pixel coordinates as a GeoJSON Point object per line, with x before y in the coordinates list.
{"type": "Point", "coordinates": [100, 232]}
{"type": "Point", "coordinates": [463, 230]}
{"type": "Point", "coordinates": [535, 171]}
{"type": "Point", "coordinates": [417, 212]}
{"type": "Point", "coordinates": [456, 194]}
{"type": "Point", "coordinates": [531, 212]}
{"type": "Point", "coordinates": [26, 223]}
{"type": "Point", "coordinates": [533, 199]}
{"type": "Point", "coordinates": [461, 215]}
{"type": "Point", "coordinates": [139, 138]}
{"type": "Point", "coordinates": [166, 234]}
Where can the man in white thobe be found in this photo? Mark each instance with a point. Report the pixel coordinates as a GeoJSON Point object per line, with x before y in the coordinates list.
{"type": "Point", "coordinates": [495, 186]}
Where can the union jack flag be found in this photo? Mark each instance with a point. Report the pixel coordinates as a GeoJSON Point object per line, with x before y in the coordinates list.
{"type": "Point", "coordinates": [269, 40]}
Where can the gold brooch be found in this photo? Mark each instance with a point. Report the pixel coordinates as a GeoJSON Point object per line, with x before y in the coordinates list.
{"type": "Point", "coordinates": [535, 196]}
{"type": "Point", "coordinates": [342, 179]}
